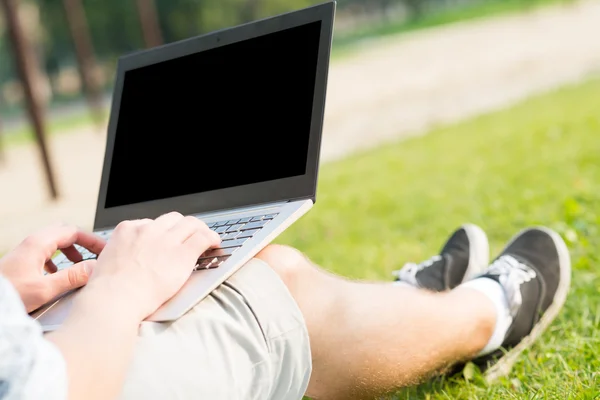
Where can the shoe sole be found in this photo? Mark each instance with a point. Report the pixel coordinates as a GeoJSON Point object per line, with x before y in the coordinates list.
{"type": "Point", "coordinates": [480, 251]}
{"type": "Point", "coordinates": [506, 362]}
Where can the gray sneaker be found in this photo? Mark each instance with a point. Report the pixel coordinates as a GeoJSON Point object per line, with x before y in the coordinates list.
{"type": "Point", "coordinates": [535, 272]}
{"type": "Point", "coordinates": [464, 255]}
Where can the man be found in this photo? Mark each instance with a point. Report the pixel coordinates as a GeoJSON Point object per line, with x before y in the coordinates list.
{"type": "Point", "coordinates": [279, 328]}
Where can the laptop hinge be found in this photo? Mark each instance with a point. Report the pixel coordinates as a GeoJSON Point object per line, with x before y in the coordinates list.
{"type": "Point", "coordinates": [258, 207]}
{"type": "Point", "coordinates": [238, 210]}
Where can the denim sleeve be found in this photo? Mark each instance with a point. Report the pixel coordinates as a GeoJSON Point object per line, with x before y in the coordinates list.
{"type": "Point", "coordinates": [30, 366]}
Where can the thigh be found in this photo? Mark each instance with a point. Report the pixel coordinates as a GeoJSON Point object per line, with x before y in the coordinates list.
{"type": "Point", "coordinates": [247, 340]}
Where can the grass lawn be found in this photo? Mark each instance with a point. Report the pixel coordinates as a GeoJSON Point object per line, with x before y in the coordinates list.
{"type": "Point", "coordinates": [535, 163]}
{"type": "Point", "coordinates": [55, 126]}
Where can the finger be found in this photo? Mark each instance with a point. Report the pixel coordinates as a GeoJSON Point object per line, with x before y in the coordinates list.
{"type": "Point", "coordinates": [90, 241]}
{"type": "Point", "coordinates": [167, 221]}
{"type": "Point", "coordinates": [131, 224]}
{"type": "Point", "coordinates": [72, 254]}
{"type": "Point", "coordinates": [50, 267]}
{"type": "Point", "coordinates": [71, 278]}
{"type": "Point", "coordinates": [46, 241]}
{"type": "Point", "coordinates": [140, 222]}
{"type": "Point", "coordinates": [186, 227]}
{"type": "Point", "coordinates": [214, 238]}
{"type": "Point", "coordinates": [201, 241]}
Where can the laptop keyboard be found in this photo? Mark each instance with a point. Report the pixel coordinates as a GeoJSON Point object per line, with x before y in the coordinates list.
{"type": "Point", "coordinates": [234, 233]}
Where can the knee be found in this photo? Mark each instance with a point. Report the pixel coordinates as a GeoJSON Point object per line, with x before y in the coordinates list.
{"type": "Point", "coordinates": [290, 264]}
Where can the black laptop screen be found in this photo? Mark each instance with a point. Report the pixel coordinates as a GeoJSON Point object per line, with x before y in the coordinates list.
{"type": "Point", "coordinates": [231, 116]}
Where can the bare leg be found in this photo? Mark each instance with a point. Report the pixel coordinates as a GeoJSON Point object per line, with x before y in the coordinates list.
{"type": "Point", "coordinates": [370, 338]}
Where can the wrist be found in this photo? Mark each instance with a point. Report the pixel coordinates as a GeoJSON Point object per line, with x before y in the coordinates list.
{"type": "Point", "coordinates": [105, 296]}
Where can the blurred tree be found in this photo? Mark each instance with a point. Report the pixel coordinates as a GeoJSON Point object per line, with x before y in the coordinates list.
{"type": "Point", "coordinates": [5, 65]}
{"type": "Point", "coordinates": [3, 61]}
{"type": "Point", "coordinates": [250, 10]}
{"type": "Point", "coordinates": [24, 59]}
{"type": "Point", "coordinates": [384, 7]}
{"type": "Point", "coordinates": [2, 151]}
{"type": "Point", "coordinates": [149, 22]}
{"type": "Point", "coordinates": [273, 7]}
{"type": "Point", "coordinates": [86, 62]}
{"type": "Point", "coordinates": [113, 24]}
{"type": "Point", "coordinates": [179, 19]}
{"type": "Point", "coordinates": [120, 27]}
{"type": "Point", "coordinates": [415, 8]}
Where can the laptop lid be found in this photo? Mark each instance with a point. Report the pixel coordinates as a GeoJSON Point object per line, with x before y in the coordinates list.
{"type": "Point", "coordinates": [228, 119]}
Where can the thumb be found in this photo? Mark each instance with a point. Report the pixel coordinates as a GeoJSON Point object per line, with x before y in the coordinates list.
{"type": "Point", "coordinates": [71, 278]}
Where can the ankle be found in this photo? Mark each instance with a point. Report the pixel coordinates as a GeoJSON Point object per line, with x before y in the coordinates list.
{"type": "Point", "coordinates": [479, 318]}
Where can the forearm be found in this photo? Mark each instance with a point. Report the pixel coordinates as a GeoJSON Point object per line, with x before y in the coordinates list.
{"type": "Point", "coordinates": [97, 342]}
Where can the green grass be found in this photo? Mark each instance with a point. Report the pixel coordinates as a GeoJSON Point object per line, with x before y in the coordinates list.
{"type": "Point", "coordinates": [535, 163]}
{"type": "Point", "coordinates": [55, 126]}
{"type": "Point", "coordinates": [344, 43]}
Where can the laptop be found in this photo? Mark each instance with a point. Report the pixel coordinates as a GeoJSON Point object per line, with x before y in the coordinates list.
{"type": "Point", "coordinates": [225, 127]}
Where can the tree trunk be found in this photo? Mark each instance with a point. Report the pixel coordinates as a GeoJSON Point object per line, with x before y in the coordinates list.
{"type": "Point", "coordinates": [25, 65]}
{"type": "Point", "coordinates": [2, 150]}
{"type": "Point", "coordinates": [150, 23]}
{"type": "Point", "coordinates": [86, 63]}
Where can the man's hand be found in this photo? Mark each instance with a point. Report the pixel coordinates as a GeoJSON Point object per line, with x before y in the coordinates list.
{"type": "Point", "coordinates": [147, 261]}
{"type": "Point", "coordinates": [144, 263]}
{"type": "Point", "coordinates": [24, 266]}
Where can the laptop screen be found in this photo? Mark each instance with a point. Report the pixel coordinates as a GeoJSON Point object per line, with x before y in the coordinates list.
{"type": "Point", "coordinates": [230, 116]}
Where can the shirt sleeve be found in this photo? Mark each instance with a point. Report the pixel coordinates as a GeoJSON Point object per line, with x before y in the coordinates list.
{"type": "Point", "coordinates": [31, 367]}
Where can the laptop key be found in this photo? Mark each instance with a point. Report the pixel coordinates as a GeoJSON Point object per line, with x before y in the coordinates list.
{"type": "Point", "coordinates": [86, 254]}
{"type": "Point", "coordinates": [220, 223]}
{"type": "Point", "coordinates": [218, 262]}
{"type": "Point", "coordinates": [218, 252]}
{"type": "Point", "coordinates": [270, 216]}
{"type": "Point", "coordinates": [232, 222]}
{"type": "Point", "coordinates": [247, 234]}
{"type": "Point", "coordinates": [59, 258]}
{"type": "Point", "coordinates": [234, 228]}
{"type": "Point", "coordinates": [232, 243]}
{"type": "Point", "coordinates": [203, 264]}
{"type": "Point", "coordinates": [244, 220]}
{"type": "Point", "coordinates": [210, 263]}
{"type": "Point", "coordinates": [230, 235]}
{"type": "Point", "coordinates": [222, 228]}
{"type": "Point", "coordinates": [256, 219]}
{"type": "Point", "coordinates": [254, 225]}
{"type": "Point", "coordinates": [65, 263]}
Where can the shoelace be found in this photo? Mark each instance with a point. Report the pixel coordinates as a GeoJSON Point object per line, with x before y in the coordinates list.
{"type": "Point", "coordinates": [409, 271]}
{"type": "Point", "coordinates": [511, 274]}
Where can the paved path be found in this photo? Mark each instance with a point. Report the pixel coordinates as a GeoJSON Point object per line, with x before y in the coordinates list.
{"type": "Point", "coordinates": [389, 89]}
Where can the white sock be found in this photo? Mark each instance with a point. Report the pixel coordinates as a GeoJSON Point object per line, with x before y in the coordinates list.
{"type": "Point", "coordinates": [493, 291]}
{"type": "Point", "coordinates": [403, 284]}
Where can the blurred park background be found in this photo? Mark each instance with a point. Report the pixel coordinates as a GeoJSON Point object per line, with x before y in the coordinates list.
{"type": "Point", "coordinates": [439, 112]}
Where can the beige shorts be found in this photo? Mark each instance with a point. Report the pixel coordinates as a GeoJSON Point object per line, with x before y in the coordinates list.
{"type": "Point", "coordinates": [247, 340]}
